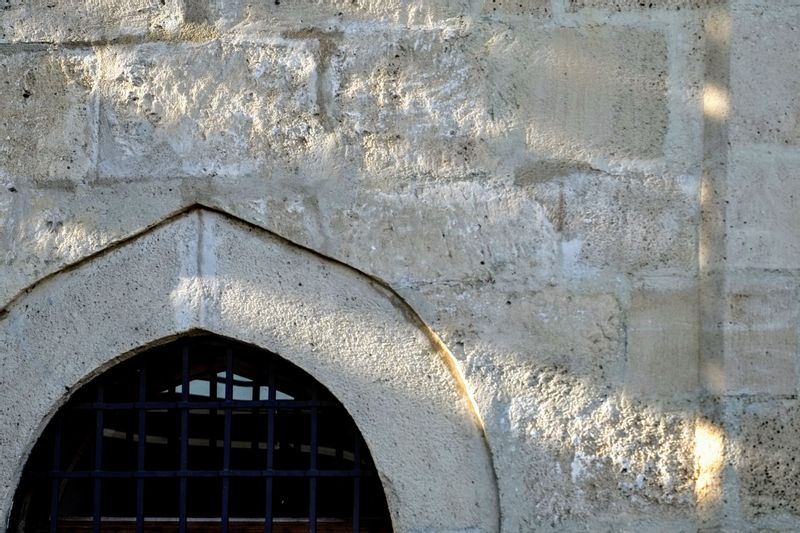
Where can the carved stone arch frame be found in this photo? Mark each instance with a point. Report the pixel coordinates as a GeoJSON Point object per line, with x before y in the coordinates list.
{"type": "Point", "coordinates": [203, 270]}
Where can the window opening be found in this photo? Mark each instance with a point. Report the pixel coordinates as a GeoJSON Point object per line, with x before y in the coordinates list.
{"type": "Point", "coordinates": [203, 434]}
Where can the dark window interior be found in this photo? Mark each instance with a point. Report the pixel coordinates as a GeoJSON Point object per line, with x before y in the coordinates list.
{"type": "Point", "coordinates": [203, 434]}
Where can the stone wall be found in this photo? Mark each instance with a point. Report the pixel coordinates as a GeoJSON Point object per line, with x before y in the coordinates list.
{"type": "Point", "coordinates": [592, 202]}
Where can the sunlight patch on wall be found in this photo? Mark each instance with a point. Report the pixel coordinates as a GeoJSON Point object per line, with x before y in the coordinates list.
{"type": "Point", "coordinates": [709, 454]}
{"type": "Point", "coordinates": [715, 102]}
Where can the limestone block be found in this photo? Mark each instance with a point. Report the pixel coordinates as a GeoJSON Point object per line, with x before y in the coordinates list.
{"type": "Point", "coordinates": [171, 110]}
{"type": "Point", "coordinates": [765, 73]}
{"type": "Point", "coordinates": [663, 342]}
{"type": "Point", "coordinates": [444, 233]}
{"type": "Point", "coordinates": [571, 453]}
{"type": "Point", "coordinates": [768, 466]}
{"type": "Point", "coordinates": [546, 326]}
{"type": "Point", "coordinates": [413, 103]}
{"type": "Point", "coordinates": [580, 93]}
{"type": "Point", "coordinates": [47, 130]}
{"type": "Point", "coordinates": [761, 339]}
{"type": "Point", "coordinates": [515, 8]}
{"type": "Point", "coordinates": [630, 224]}
{"type": "Point", "coordinates": [625, 5]}
{"type": "Point", "coordinates": [85, 20]}
{"type": "Point", "coordinates": [763, 198]}
{"type": "Point", "coordinates": [284, 14]}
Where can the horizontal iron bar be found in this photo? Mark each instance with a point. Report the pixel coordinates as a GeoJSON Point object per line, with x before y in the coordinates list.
{"type": "Point", "coordinates": [211, 404]}
{"type": "Point", "coordinates": [125, 474]}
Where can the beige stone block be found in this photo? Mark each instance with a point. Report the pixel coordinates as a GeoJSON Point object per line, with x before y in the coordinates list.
{"type": "Point", "coordinates": [551, 326]}
{"type": "Point", "coordinates": [85, 20]}
{"type": "Point", "coordinates": [760, 338]}
{"type": "Point", "coordinates": [47, 130]}
{"type": "Point", "coordinates": [444, 233]}
{"type": "Point", "coordinates": [761, 362]}
{"type": "Point", "coordinates": [643, 5]}
{"type": "Point", "coordinates": [580, 93]}
{"type": "Point", "coordinates": [663, 342]}
{"type": "Point", "coordinates": [332, 13]}
{"type": "Point", "coordinates": [765, 72]}
{"type": "Point", "coordinates": [622, 224]}
{"type": "Point", "coordinates": [600, 453]}
{"type": "Point", "coordinates": [768, 459]}
{"type": "Point", "coordinates": [763, 211]}
{"type": "Point", "coordinates": [515, 8]}
{"type": "Point", "coordinates": [173, 110]}
{"type": "Point", "coordinates": [414, 104]}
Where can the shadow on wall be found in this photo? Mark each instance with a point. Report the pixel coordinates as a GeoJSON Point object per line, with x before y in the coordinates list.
{"type": "Point", "coordinates": [566, 443]}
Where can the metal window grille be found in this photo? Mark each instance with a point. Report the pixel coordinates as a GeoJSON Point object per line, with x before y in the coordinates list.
{"type": "Point", "coordinates": [203, 434]}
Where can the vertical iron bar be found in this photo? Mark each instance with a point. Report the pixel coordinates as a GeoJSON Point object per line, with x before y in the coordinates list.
{"type": "Point", "coordinates": [270, 447]}
{"type": "Point", "coordinates": [56, 483]}
{"type": "Point", "coordinates": [213, 413]}
{"type": "Point", "coordinates": [357, 483]}
{"type": "Point", "coordinates": [140, 447]}
{"type": "Point", "coordinates": [256, 434]}
{"type": "Point", "coordinates": [184, 438]}
{"type": "Point", "coordinates": [98, 462]}
{"type": "Point", "coordinates": [312, 482]}
{"type": "Point", "coordinates": [226, 443]}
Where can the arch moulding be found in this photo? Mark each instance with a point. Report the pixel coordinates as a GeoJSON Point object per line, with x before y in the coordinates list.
{"type": "Point", "coordinates": [203, 270]}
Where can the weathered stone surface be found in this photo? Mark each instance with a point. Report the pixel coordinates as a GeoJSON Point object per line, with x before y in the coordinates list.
{"type": "Point", "coordinates": [762, 205]}
{"type": "Point", "coordinates": [527, 325]}
{"type": "Point", "coordinates": [85, 20]}
{"type": "Point", "coordinates": [624, 5]}
{"type": "Point", "coordinates": [606, 456]}
{"type": "Point", "coordinates": [409, 122]}
{"type": "Point", "coordinates": [580, 93]}
{"type": "Point", "coordinates": [526, 174]}
{"type": "Point", "coordinates": [335, 13]}
{"type": "Point", "coordinates": [516, 8]}
{"type": "Point", "coordinates": [467, 232]}
{"type": "Point", "coordinates": [663, 341]}
{"type": "Point", "coordinates": [765, 73]}
{"type": "Point", "coordinates": [768, 466]}
{"type": "Point", "coordinates": [205, 109]}
{"type": "Point", "coordinates": [628, 224]}
{"type": "Point", "coordinates": [47, 131]}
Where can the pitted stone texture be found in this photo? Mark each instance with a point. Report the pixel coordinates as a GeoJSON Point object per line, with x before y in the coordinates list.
{"type": "Point", "coordinates": [761, 335]}
{"type": "Point", "coordinates": [85, 20]}
{"type": "Point", "coordinates": [47, 133]}
{"type": "Point", "coordinates": [332, 13]}
{"type": "Point", "coordinates": [628, 224]}
{"type": "Point", "coordinates": [206, 109]}
{"type": "Point", "coordinates": [628, 5]}
{"type": "Point", "coordinates": [763, 197]}
{"type": "Point", "coordinates": [445, 233]}
{"type": "Point", "coordinates": [527, 325]}
{"type": "Point", "coordinates": [48, 228]}
{"type": "Point", "coordinates": [765, 73]}
{"type": "Point", "coordinates": [580, 93]}
{"type": "Point", "coordinates": [663, 341]}
{"type": "Point", "coordinates": [583, 454]}
{"type": "Point", "coordinates": [516, 8]}
{"type": "Point", "coordinates": [410, 121]}
{"type": "Point", "coordinates": [769, 462]}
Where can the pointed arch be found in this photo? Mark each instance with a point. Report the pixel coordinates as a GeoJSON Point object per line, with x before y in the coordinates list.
{"type": "Point", "coordinates": [204, 270]}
